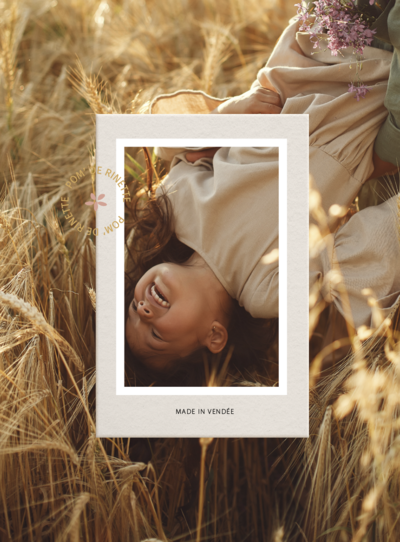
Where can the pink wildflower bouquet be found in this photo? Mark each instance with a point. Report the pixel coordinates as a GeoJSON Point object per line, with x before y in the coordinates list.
{"type": "Point", "coordinates": [344, 25]}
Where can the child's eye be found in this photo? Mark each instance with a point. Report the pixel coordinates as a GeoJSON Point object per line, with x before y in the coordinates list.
{"type": "Point", "coordinates": [134, 306]}
{"type": "Point", "coordinates": [155, 335]}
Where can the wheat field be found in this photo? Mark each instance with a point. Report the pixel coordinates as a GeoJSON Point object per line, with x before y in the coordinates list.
{"type": "Point", "coordinates": [62, 61]}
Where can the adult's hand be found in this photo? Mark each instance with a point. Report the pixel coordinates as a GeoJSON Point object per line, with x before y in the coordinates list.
{"type": "Point", "coordinates": [255, 101]}
{"type": "Point", "coordinates": [382, 168]}
{"type": "Point", "coordinates": [193, 156]}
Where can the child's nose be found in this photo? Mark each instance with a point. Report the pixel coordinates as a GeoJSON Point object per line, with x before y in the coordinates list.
{"type": "Point", "coordinates": [144, 311]}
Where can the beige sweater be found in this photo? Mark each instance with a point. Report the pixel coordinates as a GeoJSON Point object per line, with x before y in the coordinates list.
{"type": "Point", "coordinates": [226, 209]}
{"type": "Point", "coordinates": [366, 252]}
{"type": "Point", "coordinates": [342, 134]}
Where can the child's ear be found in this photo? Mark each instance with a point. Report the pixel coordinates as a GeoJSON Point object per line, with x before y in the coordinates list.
{"type": "Point", "coordinates": [217, 338]}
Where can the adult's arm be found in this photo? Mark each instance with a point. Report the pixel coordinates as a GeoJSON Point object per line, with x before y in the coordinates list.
{"type": "Point", "coordinates": [255, 101]}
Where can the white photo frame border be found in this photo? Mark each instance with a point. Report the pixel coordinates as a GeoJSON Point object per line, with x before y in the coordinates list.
{"type": "Point", "coordinates": [286, 406]}
{"type": "Point", "coordinates": [281, 389]}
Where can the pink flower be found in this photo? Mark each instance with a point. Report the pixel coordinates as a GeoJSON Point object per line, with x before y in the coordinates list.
{"type": "Point", "coordinates": [360, 91]}
{"type": "Point", "coordinates": [96, 203]}
{"type": "Point", "coordinates": [343, 27]}
{"type": "Point", "coordinates": [343, 24]}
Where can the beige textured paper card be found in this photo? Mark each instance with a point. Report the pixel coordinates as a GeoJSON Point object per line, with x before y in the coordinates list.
{"type": "Point", "coordinates": [203, 332]}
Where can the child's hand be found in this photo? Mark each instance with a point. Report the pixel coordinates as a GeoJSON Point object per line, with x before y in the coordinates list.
{"type": "Point", "coordinates": [193, 156]}
{"type": "Point", "coordinates": [255, 100]}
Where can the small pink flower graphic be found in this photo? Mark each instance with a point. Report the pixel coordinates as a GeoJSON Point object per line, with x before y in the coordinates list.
{"type": "Point", "coordinates": [96, 203]}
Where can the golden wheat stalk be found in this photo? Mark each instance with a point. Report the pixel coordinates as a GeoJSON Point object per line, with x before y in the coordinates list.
{"type": "Point", "coordinates": [398, 217]}
{"type": "Point", "coordinates": [72, 531]}
{"type": "Point", "coordinates": [92, 296]}
{"type": "Point", "coordinates": [8, 64]}
{"type": "Point", "coordinates": [216, 52]}
{"type": "Point", "coordinates": [38, 321]}
{"type": "Point", "coordinates": [26, 310]}
{"type": "Point", "coordinates": [8, 61]}
{"type": "Point", "coordinates": [89, 87]}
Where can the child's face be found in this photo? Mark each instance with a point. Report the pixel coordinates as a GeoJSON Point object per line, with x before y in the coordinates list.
{"type": "Point", "coordinates": [176, 309]}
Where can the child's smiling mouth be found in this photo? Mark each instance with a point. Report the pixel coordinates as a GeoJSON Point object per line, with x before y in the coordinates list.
{"type": "Point", "coordinates": [159, 297]}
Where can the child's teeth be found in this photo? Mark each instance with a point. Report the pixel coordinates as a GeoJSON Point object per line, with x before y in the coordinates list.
{"type": "Point", "coordinates": [158, 298]}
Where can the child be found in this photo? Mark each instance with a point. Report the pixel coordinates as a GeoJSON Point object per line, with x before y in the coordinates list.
{"type": "Point", "coordinates": [213, 281]}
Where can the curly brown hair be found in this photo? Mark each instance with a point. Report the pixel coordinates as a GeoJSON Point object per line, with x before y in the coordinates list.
{"type": "Point", "coordinates": [251, 352]}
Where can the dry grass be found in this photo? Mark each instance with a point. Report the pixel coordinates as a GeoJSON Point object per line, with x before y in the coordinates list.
{"type": "Point", "coordinates": [57, 481]}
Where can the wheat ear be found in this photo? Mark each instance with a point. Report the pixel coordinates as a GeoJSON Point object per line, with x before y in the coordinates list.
{"type": "Point", "coordinates": [92, 295]}
{"type": "Point", "coordinates": [38, 321]}
{"type": "Point", "coordinates": [25, 309]}
{"type": "Point", "coordinates": [88, 87]}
